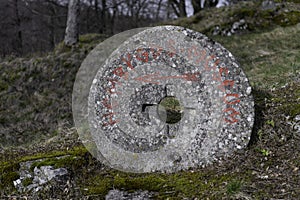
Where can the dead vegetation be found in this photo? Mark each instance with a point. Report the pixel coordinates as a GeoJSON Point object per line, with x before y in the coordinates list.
{"type": "Point", "coordinates": [36, 122]}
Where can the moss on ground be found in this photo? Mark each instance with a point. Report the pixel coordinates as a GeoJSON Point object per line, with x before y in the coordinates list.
{"type": "Point", "coordinates": [257, 19]}
{"type": "Point", "coordinates": [270, 57]}
{"type": "Point", "coordinates": [175, 186]}
{"type": "Point", "coordinates": [68, 161]}
{"type": "Point", "coordinates": [234, 187]}
{"type": "Point", "coordinates": [8, 174]}
{"type": "Point", "coordinates": [27, 181]}
{"type": "Point", "coordinates": [6, 179]}
{"type": "Point", "coordinates": [287, 18]}
{"type": "Point", "coordinates": [93, 179]}
{"type": "Point", "coordinates": [72, 159]}
{"type": "Point", "coordinates": [33, 115]}
{"type": "Point", "coordinates": [91, 38]}
{"type": "Point", "coordinates": [288, 100]}
{"type": "Point", "coordinates": [268, 51]}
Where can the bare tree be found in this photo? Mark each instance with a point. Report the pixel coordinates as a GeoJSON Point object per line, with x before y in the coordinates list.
{"type": "Point", "coordinates": [38, 25]}
{"type": "Point", "coordinates": [196, 5]}
{"type": "Point", "coordinates": [158, 9]}
{"type": "Point", "coordinates": [96, 5]}
{"type": "Point", "coordinates": [202, 4]}
{"type": "Point", "coordinates": [178, 7]}
{"type": "Point", "coordinates": [103, 16]}
{"type": "Point", "coordinates": [19, 38]}
{"type": "Point", "coordinates": [114, 13]}
{"type": "Point", "coordinates": [72, 29]}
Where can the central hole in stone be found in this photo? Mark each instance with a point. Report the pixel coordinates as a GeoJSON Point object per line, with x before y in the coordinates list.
{"type": "Point", "coordinates": [169, 110]}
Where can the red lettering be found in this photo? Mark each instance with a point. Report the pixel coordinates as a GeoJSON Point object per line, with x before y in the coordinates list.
{"type": "Point", "coordinates": [222, 69]}
{"type": "Point", "coordinates": [202, 58]}
{"type": "Point", "coordinates": [226, 83]}
{"type": "Point", "coordinates": [156, 51]}
{"type": "Point", "coordinates": [171, 54]}
{"type": "Point", "coordinates": [171, 47]}
{"type": "Point", "coordinates": [149, 78]}
{"type": "Point", "coordinates": [111, 114]}
{"type": "Point", "coordinates": [216, 77]}
{"type": "Point", "coordinates": [207, 68]}
{"type": "Point", "coordinates": [193, 52]}
{"type": "Point", "coordinates": [232, 102]}
{"type": "Point", "coordinates": [145, 56]}
{"type": "Point", "coordinates": [231, 119]}
{"type": "Point", "coordinates": [191, 77]}
{"type": "Point", "coordinates": [128, 61]}
{"type": "Point", "coordinates": [112, 89]}
{"type": "Point", "coordinates": [216, 63]}
{"type": "Point", "coordinates": [110, 118]}
{"type": "Point", "coordinates": [119, 72]}
{"type": "Point", "coordinates": [107, 105]}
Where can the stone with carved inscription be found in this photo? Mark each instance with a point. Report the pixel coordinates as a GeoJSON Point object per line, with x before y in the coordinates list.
{"type": "Point", "coordinates": [162, 99]}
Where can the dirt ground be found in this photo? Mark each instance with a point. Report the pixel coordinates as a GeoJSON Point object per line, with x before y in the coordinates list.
{"type": "Point", "coordinates": [36, 121]}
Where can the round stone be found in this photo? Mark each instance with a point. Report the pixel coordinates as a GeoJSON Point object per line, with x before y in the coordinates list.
{"type": "Point", "coordinates": [171, 101]}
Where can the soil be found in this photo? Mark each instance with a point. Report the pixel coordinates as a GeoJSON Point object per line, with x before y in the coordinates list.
{"type": "Point", "coordinates": [36, 122]}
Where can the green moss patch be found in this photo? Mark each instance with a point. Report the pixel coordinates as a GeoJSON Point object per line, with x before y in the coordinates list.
{"type": "Point", "coordinates": [92, 37]}
{"type": "Point", "coordinates": [70, 162]}
{"type": "Point", "coordinates": [179, 185]}
{"type": "Point", "coordinates": [234, 187]}
{"type": "Point", "coordinates": [27, 181]}
{"type": "Point", "coordinates": [287, 100]}
{"type": "Point", "coordinates": [257, 19]}
{"type": "Point", "coordinates": [38, 92]}
{"type": "Point", "coordinates": [271, 59]}
{"type": "Point", "coordinates": [6, 179]}
{"type": "Point", "coordinates": [38, 105]}
{"type": "Point", "coordinates": [288, 18]}
{"type": "Point", "coordinates": [72, 159]}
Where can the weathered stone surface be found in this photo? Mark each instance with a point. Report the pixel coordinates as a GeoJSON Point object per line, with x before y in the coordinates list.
{"type": "Point", "coordinates": [236, 27]}
{"type": "Point", "coordinates": [296, 125]}
{"type": "Point", "coordinates": [121, 195]}
{"type": "Point", "coordinates": [268, 5]}
{"type": "Point", "coordinates": [124, 127]}
{"type": "Point", "coordinates": [33, 181]}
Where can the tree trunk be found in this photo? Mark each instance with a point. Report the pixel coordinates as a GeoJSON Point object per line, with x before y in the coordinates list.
{"type": "Point", "coordinates": [51, 25]}
{"type": "Point", "coordinates": [113, 17]}
{"type": "Point", "coordinates": [103, 16]}
{"type": "Point", "coordinates": [88, 12]}
{"type": "Point", "coordinates": [182, 9]}
{"type": "Point", "coordinates": [178, 7]}
{"type": "Point", "coordinates": [72, 29]}
{"type": "Point", "coordinates": [97, 24]}
{"type": "Point", "coordinates": [208, 3]}
{"type": "Point", "coordinates": [196, 5]}
{"type": "Point", "coordinates": [168, 9]}
{"type": "Point", "coordinates": [19, 41]}
{"type": "Point", "coordinates": [158, 10]}
{"type": "Point", "coordinates": [139, 11]}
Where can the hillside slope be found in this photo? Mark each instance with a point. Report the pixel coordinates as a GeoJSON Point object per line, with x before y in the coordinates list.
{"type": "Point", "coordinates": [36, 118]}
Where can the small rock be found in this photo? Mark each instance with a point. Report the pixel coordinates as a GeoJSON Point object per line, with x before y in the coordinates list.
{"type": "Point", "coordinates": [39, 176]}
{"type": "Point", "coordinates": [268, 5]}
{"type": "Point", "coordinates": [47, 173]}
{"type": "Point", "coordinates": [123, 195]}
{"type": "Point", "coordinates": [17, 182]}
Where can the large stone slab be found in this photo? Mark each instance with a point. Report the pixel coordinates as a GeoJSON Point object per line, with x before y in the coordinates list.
{"type": "Point", "coordinates": [162, 99]}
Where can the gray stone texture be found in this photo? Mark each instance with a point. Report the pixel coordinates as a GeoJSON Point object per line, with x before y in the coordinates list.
{"type": "Point", "coordinates": [126, 131]}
